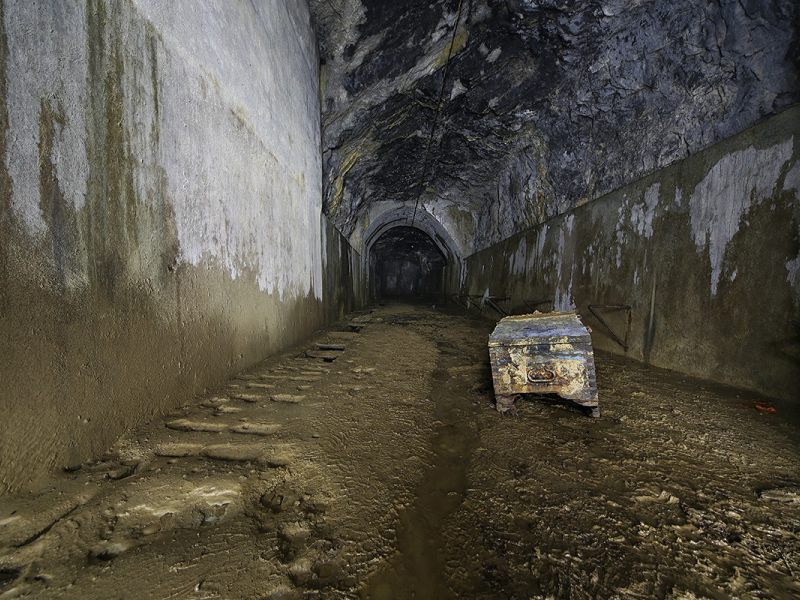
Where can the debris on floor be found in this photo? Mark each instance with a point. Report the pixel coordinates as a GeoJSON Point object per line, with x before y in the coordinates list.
{"type": "Point", "coordinates": [326, 355]}
{"type": "Point", "coordinates": [543, 353]}
{"type": "Point", "coordinates": [765, 408]}
{"type": "Point", "coordinates": [395, 478]}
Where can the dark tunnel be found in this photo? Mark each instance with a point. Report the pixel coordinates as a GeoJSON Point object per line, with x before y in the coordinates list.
{"type": "Point", "coordinates": [405, 263]}
{"type": "Point", "coordinates": [399, 299]}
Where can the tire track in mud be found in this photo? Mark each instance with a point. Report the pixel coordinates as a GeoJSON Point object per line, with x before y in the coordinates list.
{"type": "Point", "coordinates": [418, 569]}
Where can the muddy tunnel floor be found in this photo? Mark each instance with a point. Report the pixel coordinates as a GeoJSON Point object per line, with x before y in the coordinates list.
{"type": "Point", "coordinates": [386, 473]}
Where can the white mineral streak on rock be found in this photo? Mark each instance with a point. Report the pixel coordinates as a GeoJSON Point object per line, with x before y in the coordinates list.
{"type": "Point", "coordinates": [541, 238]}
{"type": "Point", "coordinates": [793, 272]}
{"type": "Point", "coordinates": [642, 213]}
{"type": "Point", "coordinates": [620, 231]}
{"type": "Point", "coordinates": [41, 70]}
{"type": "Point", "coordinates": [458, 89]}
{"type": "Point", "coordinates": [563, 299]}
{"type": "Point", "coordinates": [792, 183]}
{"type": "Point", "coordinates": [737, 182]}
{"type": "Point", "coordinates": [255, 212]}
{"type": "Point", "coordinates": [517, 261]}
{"type": "Point", "coordinates": [792, 180]}
{"type": "Point", "coordinates": [239, 153]}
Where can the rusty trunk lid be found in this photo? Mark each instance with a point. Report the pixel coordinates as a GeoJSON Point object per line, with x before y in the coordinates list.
{"type": "Point", "coordinates": [541, 329]}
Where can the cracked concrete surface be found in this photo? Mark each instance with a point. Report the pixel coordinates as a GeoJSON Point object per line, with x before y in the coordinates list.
{"type": "Point", "coordinates": [395, 478]}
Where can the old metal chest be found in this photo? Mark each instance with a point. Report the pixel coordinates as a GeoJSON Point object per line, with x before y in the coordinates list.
{"type": "Point", "coordinates": [543, 353]}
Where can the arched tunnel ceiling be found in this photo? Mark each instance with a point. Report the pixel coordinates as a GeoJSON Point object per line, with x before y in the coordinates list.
{"type": "Point", "coordinates": [406, 261]}
{"type": "Point", "coordinates": [542, 105]}
{"type": "Point", "coordinates": [407, 241]}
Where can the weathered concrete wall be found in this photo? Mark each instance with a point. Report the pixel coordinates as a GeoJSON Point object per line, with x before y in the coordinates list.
{"type": "Point", "coordinates": [706, 251]}
{"type": "Point", "coordinates": [343, 273]}
{"type": "Point", "coordinates": [159, 211]}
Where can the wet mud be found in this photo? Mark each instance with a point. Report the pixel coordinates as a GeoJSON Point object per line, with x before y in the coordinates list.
{"type": "Point", "coordinates": [383, 471]}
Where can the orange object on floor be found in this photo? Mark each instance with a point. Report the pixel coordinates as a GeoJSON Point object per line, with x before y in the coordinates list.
{"type": "Point", "coordinates": [765, 408]}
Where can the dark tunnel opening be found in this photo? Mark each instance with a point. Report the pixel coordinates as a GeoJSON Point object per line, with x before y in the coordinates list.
{"type": "Point", "coordinates": [406, 264]}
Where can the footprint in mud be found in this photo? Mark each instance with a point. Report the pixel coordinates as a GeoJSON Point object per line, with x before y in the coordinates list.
{"type": "Point", "coordinates": [8, 576]}
{"type": "Point", "coordinates": [293, 537]}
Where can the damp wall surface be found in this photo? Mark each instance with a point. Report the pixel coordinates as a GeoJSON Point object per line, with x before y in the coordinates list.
{"type": "Point", "coordinates": [706, 252]}
{"type": "Point", "coordinates": [160, 223]}
{"type": "Point", "coordinates": [344, 280]}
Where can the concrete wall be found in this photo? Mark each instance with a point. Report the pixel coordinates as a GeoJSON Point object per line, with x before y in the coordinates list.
{"type": "Point", "coordinates": [345, 285]}
{"type": "Point", "coordinates": [160, 221]}
{"type": "Point", "coordinates": [707, 252]}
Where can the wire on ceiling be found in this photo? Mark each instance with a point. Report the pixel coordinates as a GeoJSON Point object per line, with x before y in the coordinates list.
{"type": "Point", "coordinates": [423, 176]}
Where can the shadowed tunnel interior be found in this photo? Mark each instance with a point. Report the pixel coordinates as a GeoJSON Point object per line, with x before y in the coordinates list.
{"type": "Point", "coordinates": [399, 299]}
{"type": "Point", "coordinates": [405, 263]}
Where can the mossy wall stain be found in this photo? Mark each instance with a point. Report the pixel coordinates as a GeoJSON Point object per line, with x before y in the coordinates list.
{"type": "Point", "coordinates": [111, 204]}
{"type": "Point", "coordinates": [5, 178]}
{"type": "Point", "coordinates": [339, 182]}
{"type": "Point", "coordinates": [96, 41]}
{"type": "Point", "coordinates": [152, 45]}
{"type": "Point", "coordinates": [56, 211]}
{"type": "Point", "coordinates": [116, 326]}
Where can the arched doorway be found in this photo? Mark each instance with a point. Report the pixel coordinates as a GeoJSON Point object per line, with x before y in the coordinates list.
{"type": "Point", "coordinates": [405, 263]}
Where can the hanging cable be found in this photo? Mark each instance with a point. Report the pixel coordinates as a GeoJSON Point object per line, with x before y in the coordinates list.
{"type": "Point", "coordinates": [434, 125]}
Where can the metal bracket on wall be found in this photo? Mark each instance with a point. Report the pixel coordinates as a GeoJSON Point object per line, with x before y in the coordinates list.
{"type": "Point", "coordinates": [471, 300]}
{"type": "Point", "coordinates": [594, 308]}
{"type": "Point", "coordinates": [533, 305]}
{"type": "Point", "coordinates": [493, 300]}
{"type": "Point", "coordinates": [460, 300]}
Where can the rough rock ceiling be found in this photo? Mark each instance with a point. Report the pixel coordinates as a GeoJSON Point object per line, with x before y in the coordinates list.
{"type": "Point", "coordinates": [410, 242]}
{"type": "Point", "coordinates": [512, 111]}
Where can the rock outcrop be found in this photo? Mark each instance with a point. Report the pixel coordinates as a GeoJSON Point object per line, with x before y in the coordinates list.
{"type": "Point", "coordinates": [516, 111]}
